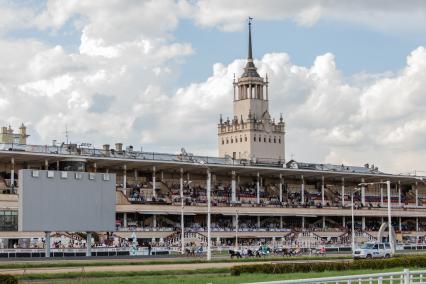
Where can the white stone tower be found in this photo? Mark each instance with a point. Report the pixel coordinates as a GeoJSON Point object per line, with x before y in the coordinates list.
{"type": "Point", "coordinates": [251, 133]}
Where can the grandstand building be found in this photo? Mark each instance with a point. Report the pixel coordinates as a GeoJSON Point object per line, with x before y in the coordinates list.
{"type": "Point", "coordinates": [255, 196]}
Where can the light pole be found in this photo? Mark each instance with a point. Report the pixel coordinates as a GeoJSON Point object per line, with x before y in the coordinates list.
{"type": "Point", "coordinates": [236, 230]}
{"type": "Point", "coordinates": [391, 242]}
{"type": "Point", "coordinates": [182, 216]}
{"type": "Point", "coordinates": [209, 240]}
{"type": "Point", "coordinates": [353, 218]}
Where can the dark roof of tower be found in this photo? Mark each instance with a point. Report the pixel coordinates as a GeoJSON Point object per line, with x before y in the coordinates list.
{"type": "Point", "coordinates": [250, 70]}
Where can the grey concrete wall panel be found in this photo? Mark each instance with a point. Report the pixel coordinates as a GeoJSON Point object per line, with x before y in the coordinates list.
{"type": "Point", "coordinates": [78, 203]}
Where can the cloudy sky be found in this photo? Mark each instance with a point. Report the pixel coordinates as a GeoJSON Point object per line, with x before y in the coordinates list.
{"type": "Point", "coordinates": [349, 76]}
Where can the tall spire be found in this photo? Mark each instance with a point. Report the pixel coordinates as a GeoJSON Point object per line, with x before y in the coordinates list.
{"type": "Point", "coordinates": [250, 69]}
{"type": "Point", "coordinates": [250, 53]}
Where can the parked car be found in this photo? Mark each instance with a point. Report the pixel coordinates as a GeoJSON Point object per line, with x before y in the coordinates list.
{"type": "Point", "coordinates": [373, 250]}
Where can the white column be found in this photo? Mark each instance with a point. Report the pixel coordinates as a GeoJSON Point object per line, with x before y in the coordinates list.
{"type": "Point", "coordinates": [46, 164]}
{"type": "Point", "coordinates": [399, 193]}
{"type": "Point", "coordinates": [400, 224]}
{"type": "Point", "coordinates": [209, 241]}
{"type": "Point", "coordinates": [382, 220]}
{"type": "Point", "coordinates": [125, 179]}
{"type": "Point", "coordinates": [322, 191]}
{"type": "Point", "coordinates": [417, 195]}
{"type": "Point", "coordinates": [12, 173]}
{"type": "Point", "coordinates": [182, 216]}
{"type": "Point", "coordinates": [303, 222]}
{"type": "Point", "coordinates": [281, 222]}
{"type": "Point", "coordinates": [381, 194]}
{"type": "Point", "coordinates": [250, 92]}
{"type": "Point", "coordinates": [323, 222]}
{"type": "Point", "coordinates": [281, 188]}
{"type": "Point", "coordinates": [303, 190]}
{"type": "Point", "coordinates": [162, 175]}
{"type": "Point", "coordinates": [154, 193]}
{"type": "Point", "coordinates": [47, 244]}
{"type": "Point", "coordinates": [154, 221]}
{"type": "Point", "coordinates": [343, 192]}
{"type": "Point", "coordinates": [125, 220]}
{"type": "Point", "coordinates": [363, 193]}
{"type": "Point", "coordinates": [95, 167]}
{"type": "Point", "coordinates": [363, 223]}
{"type": "Point", "coordinates": [417, 224]}
{"type": "Point", "coordinates": [258, 189]}
{"type": "Point", "coordinates": [344, 221]}
{"type": "Point", "coordinates": [234, 188]}
{"type": "Point", "coordinates": [88, 244]}
{"type": "Point", "coordinates": [57, 165]}
{"type": "Point", "coordinates": [258, 221]}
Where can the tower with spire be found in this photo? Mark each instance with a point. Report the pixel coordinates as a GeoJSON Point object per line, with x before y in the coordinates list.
{"type": "Point", "coordinates": [251, 133]}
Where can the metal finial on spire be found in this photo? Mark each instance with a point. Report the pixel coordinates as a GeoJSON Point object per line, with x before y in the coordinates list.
{"type": "Point", "coordinates": [250, 53]}
{"type": "Point", "coordinates": [250, 69]}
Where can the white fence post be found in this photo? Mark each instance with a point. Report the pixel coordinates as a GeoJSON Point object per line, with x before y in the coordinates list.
{"type": "Point", "coordinates": [406, 276]}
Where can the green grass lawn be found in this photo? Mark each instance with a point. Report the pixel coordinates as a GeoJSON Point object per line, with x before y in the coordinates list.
{"type": "Point", "coordinates": [213, 277]}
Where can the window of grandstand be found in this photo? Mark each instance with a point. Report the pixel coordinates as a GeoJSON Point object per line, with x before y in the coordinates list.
{"type": "Point", "coordinates": [8, 220]}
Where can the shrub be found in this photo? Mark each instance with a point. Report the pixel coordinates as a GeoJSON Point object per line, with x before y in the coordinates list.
{"type": "Point", "coordinates": [281, 268]}
{"type": "Point", "coordinates": [8, 279]}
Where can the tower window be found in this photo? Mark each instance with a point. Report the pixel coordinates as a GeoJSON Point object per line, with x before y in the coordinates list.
{"type": "Point", "coordinates": [279, 140]}
{"type": "Point", "coordinates": [275, 140]}
{"type": "Point", "coordinates": [241, 139]}
{"type": "Point", "coordinates": [260, 139]}
{"type": "Point", "coordinates": [232, 140]}
{"type": "Point", "coordinates": [255, 139]}
{"type": "Point", "coordinates": [227, 141]}
{"type": "Point", "coordinates": [264, 139]}
{"type": "Point", "coordinates": [223, 141]}
{"type": "Point", "coordinates": [245, 138]}
{"type": "Point", "coordinates": [269, 139]}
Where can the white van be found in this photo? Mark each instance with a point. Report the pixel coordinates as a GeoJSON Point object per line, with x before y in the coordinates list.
{"type": "Point", "coordinates": [373, 250]}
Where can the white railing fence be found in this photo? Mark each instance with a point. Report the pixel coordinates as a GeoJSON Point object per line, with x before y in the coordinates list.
{"type": "Point", "coordinates": [403, 277]}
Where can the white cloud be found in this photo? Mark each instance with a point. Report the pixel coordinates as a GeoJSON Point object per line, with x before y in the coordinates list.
{"type": "Point", "coordinates": [388, 16]}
